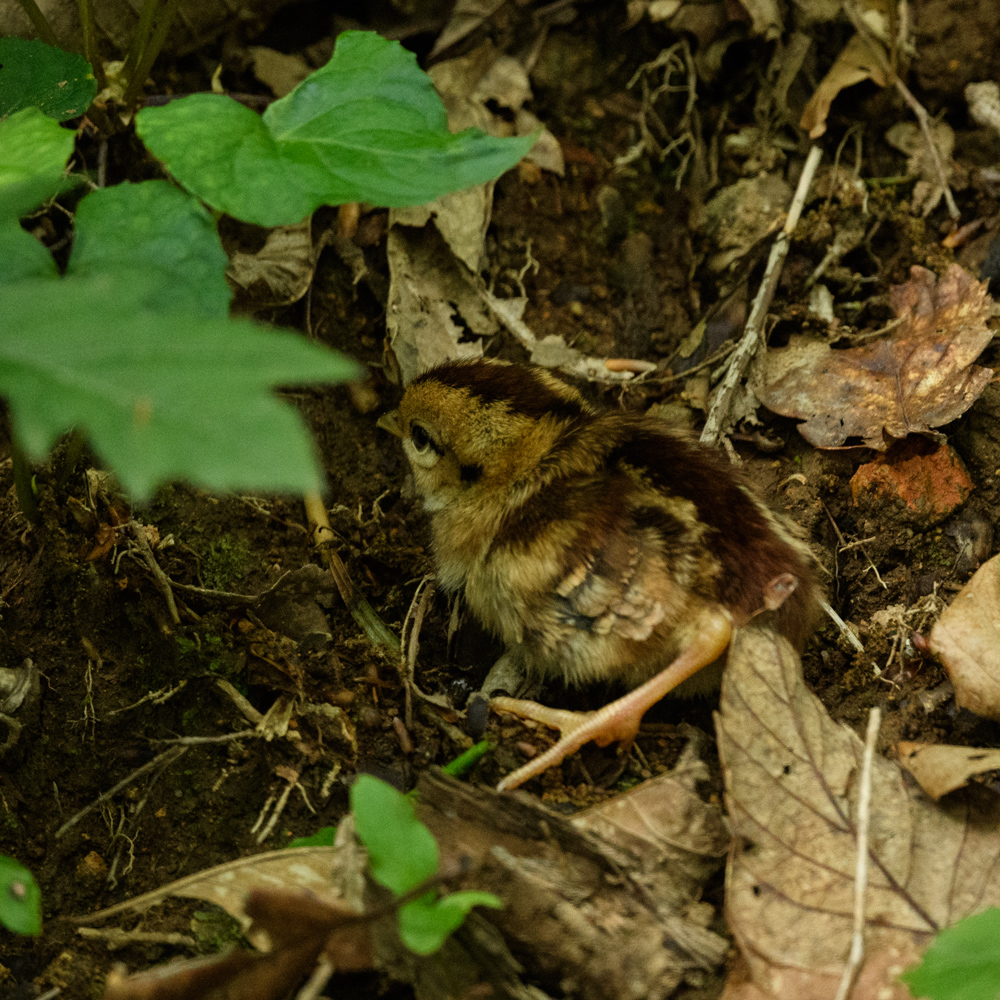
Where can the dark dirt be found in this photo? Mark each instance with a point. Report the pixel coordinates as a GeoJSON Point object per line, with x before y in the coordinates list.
{"type": "Point", "coordinates": [98, 629]}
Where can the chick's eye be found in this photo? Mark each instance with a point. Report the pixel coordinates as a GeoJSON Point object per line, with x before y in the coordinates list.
{"type": "Point", "coordinates": [420, 438]}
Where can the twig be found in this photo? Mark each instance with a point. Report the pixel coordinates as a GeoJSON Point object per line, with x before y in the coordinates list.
{"type": "Point", "coordinates": [116, 937]}
{"type": "Point", "coordinates": [161, 578]}
{"type": "Point", "coordinates": [719, 355]}
{"type": "Point", "coordinates": [197, 741]}
{"type": "Point", "coordinates": [164, 759]}
{"type": "Point", "coordinates": [362, 612]}
{"type": "Point", "coordinates": [752, 339]}
{"type": "Point", "coordinates": [411, 643]}
{"type": "Point", "coordinates": [876, 47]}
{"type": "Point", "coordinates": [316, 983]}
{"type": "Point", "coordinates": [843, 626]}
{"type": "Point", "coordinates": [861, 866]}
{"type": "Point", "coordinates": [924, 119]}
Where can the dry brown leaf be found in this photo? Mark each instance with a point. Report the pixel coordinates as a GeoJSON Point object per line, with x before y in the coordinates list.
{"type": "Point", "coordinates": [301, 927]}
{"type": "Point", "coordinates": [312, 869]}
{"type": "Point", "coordinates": [435, 312]}
{"type": "Point", "coordinates": [278, 70]}
{"type": "Point", "coordinates": [574, 912]}
{"type": "Point", "coordinates": [908, 138]}
{"type": "Point", "coordinates": [967, 639]}
{"type": "Point", "coordinates": [284, 265]}
{"type": "Point", "coordinates": [115, 21]}
{"type": "Point", "coordinates": [941, 769]}
{"type": "Point", "coordinates": [466, 16]}
{"type": "Point", "coordinates": [792, 777]}
{"type": "Point", "coordinates": [922, 376]}
{"type": "Point", "coordinates": [856, 62]}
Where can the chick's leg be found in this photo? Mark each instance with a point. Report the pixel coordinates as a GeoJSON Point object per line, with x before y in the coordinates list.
{"type": "Point", "coordinates": [620, 719]}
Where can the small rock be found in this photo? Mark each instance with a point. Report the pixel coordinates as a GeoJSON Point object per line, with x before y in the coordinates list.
{"type": "Point", "coordinates": [92, 868]}
{"type": "Point", "coordinates": [972, 534]}
{"type": "Point", "coordinates": [925, 486]}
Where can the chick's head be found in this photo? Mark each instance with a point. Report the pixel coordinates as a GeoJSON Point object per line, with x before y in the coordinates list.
{"type": "Point", "coordinates": [480, 425]}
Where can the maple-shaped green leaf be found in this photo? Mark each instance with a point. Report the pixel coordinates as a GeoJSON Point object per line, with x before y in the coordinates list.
{"type": "Point", "coordinates": [35, 75]}
{"type": "Point", "coordinates": [161, 395]}
{"type": "Point", "coordinates": [367, 126]}
{"type": "Point", "coordinates": [963, 963]}
{"type": "Point", "coordinates": [162, 230]}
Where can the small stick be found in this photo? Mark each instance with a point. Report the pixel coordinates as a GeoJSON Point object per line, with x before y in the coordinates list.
{"type": "Point", "coordinates": [861, 866]}
{"type": "Point", "coordinates": [843, 626]}
{"type": "Point", "coordinates": [164, 759]}
{"type": "Point", "coordinates": [161, 578]}
{"type": "Point", "coordinates": [919, 111]}
{"type": "Point", "coordinates": [752, 339]}
{"type": "Point", "coordinates": [362, 612]}
{"type": "Point", "coordinates": [198, 741]}
{"type": "Point", "coordinates": [118, 938]}
{"type": "Point", "coordinates": [411, 644]}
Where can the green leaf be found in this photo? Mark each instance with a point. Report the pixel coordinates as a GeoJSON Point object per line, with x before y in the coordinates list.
{"type": "Point", "coordinates": [402, 852]}
{"type": "Point", "coordinates": [20, 898]}
{"type": "Point", "coordinates": [22, 255]}
{"type": "Point", "coordinates": [35, 75]}
{"type": "Point", "coordinates": [368, 126]}
{"type": "Point", "coordinates": [963, 963]}
{"type": "Point", "coordinates": [162, 395]}
{"type": "Point", "coordinates": [425, 924]}
{"type": "Point", "coordinates": [159, 229]}
{"type": "Point", "coordinates": [323, 837]}
{"type": "Point", "coordinates": [33, 154]}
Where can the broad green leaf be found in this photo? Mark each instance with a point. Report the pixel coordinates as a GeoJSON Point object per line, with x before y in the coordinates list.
{"type": "Point", "coordinates": [33, 154]}
{"type": "Point", "coordinates": [323, 837]}
{"type": "Point", "coordinates": [162, 395]}
{"type": "Point", "coordinates": [963, 963]}
{"type": "Point", "coordinates": [402, 852]}
{"type": "Point", "coordinates": [36, 75]}
{"type": "Point", "coordinates": [22, 255]}
{"type": "Point", "coordinates": [157, 228]}
{"type": "Point", "coordinates": [20, 898]}
{"type": "Point", "coordinates": [368, 126]}
{"type": "Point", "coordinates": [425, 923]}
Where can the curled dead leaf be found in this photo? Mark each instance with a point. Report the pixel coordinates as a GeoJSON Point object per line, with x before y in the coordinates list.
{"type": "Point", "coordinates": [920, 377]}
{"type": "Point", "coordinates": [967, 639]}
{"type": "Point", "coordinates": [857, 61]}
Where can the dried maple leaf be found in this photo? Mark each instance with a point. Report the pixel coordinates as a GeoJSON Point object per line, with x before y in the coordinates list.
{"type": "Point", "coordinates": [920, 377]}
{"type": "Point", "coordinates": [792, 782]}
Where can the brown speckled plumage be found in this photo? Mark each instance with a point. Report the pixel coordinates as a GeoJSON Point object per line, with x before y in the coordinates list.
{"type": "Point", "coordinates": [589, 541]}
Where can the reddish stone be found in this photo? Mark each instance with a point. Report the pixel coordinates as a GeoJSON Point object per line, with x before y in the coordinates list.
{"type": "Point", "coordinates": [926, 481]}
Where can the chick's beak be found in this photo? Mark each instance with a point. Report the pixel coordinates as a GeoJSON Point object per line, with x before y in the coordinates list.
{"type": "Point", "coordinates": [390, 422]}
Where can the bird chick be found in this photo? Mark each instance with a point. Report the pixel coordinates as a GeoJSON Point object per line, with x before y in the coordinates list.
{"type": "Point", "coordinates": [599, 546]}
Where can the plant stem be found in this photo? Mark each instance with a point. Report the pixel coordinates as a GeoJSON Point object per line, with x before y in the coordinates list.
{"type": "Point", "coordinates": [90, 40]}
{"type": "Point", "coordinates": [40, 22]}
{"type": "Point", "coordinates": [150, 52]}
{"type": "Point", "coordinates": [140, 39]}
{"type": "Point", "coordinates": [22, 486]}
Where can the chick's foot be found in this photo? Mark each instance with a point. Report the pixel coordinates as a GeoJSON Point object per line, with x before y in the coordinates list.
{"type": "Point", "coordinates": [619, 720]}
